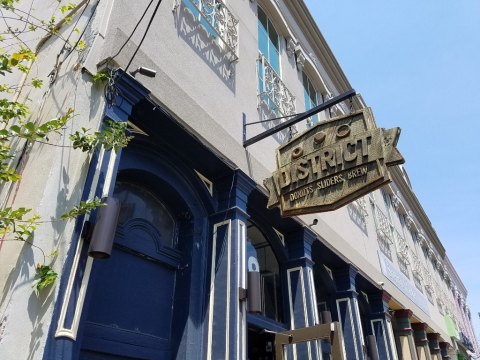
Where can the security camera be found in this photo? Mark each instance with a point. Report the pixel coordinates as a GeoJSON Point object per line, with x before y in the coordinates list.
{"type": "Point", "coordinates": [144, 71]}
{"type": "Point", "coordinates": [381, 283]}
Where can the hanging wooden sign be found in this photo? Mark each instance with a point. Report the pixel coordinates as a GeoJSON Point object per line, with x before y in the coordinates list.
{"type": "Point", "coordinates": [332, 164]}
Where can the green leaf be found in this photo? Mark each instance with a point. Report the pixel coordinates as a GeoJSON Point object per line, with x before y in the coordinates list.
{"type": "Point", "coordinates": [83, 208]}
{"type": "Point", "coordinates": [100, 77]}
{"type": "Point", "coordinates": [46, 275]}
{"type": "Point", "coordinates": [37, 83]}
{"type": "Point", "coordinates": [15, 129]}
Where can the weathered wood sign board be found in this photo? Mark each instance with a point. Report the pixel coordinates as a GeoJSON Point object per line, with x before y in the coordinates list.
{"type": "Point", "coordinates": [332, 164]}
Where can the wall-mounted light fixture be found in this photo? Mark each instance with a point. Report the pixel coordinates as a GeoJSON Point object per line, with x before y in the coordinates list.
{"type": "Point", "coordinates": [144, 71]}
{"type": "Point", "coordinates": [103, 234]}
{"type": "Point", "coordinates": [252, 294]}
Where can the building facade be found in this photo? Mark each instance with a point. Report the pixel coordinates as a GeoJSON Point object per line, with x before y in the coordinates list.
{"type": "Point", "coordinates": [193, 235]}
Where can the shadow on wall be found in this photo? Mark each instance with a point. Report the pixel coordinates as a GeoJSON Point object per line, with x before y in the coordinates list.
{"type": "Point", "coordinates": [266, 112]}
{"type": "Point", "coordinates": [205, 43]}
{"type": "Point", "coordinates": [38, 304]}
{"type": "Point", "coordinates": [357, 216]}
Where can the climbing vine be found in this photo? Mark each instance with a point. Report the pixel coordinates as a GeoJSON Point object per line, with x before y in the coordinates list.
{"type": "Point", "coordinates": [18, 124]}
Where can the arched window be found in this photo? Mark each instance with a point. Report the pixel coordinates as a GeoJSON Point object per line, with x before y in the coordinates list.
{"type": "Point", "coordinates": [137, 202]}
{"type": "Point", "coordinates": [261, 258]}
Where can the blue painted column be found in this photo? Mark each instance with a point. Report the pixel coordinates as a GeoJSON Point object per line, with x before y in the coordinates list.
{"type": "Point", "coordinates": [404, 335]}
{"type": "Point", "coordinates": [381, 324]}
{"type": "Point", "coordinates": [348, 313]}
{"type": "Point", "coordinates": [434, 346]}
{"type": "Point", "coordinates": [301, 290]}
{"type": "Point", "coordinates": [421, 341]}
{"type": "Point", "coordinates": [226, 326]}
{"type": "Point", "coordinates": [444, 350]}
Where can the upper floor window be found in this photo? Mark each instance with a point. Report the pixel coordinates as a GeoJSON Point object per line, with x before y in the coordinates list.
{"type": "Point", "coordinates": [261, 258]}
{"type": "Point", "coordinates": [310, 96]}
{"type": "Point", "coordinates": [268, 41]}
{"type": "Point", "coordinates": [272, 92]}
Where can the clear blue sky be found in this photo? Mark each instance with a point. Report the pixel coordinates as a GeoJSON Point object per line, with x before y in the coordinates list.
{"type": "Point", "coordinates": [417, 64]}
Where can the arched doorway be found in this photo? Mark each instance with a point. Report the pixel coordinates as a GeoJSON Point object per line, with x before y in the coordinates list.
{"type": "Point", "coordinates": [139, 304]}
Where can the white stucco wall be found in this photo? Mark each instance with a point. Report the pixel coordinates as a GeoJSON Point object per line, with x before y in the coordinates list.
{"type": "Point", "coordinates": [192, 82]}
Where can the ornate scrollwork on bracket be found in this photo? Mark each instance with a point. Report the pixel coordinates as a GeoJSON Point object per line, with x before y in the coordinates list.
{"type": "Point", "coordinates": [422, 240]}
{"type": "Point", "coordinates": [291, 44]}
{"type": "Point", "coordinates": [409, 221]}
{"type": "Point", "coordinates": [300, 58]}
{"type": "Point", "coordinates": [396, 202]}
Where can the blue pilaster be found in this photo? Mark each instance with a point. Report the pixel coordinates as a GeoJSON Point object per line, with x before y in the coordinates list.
{"type": "Point", "coordinates": [404, 334]}
{"type": "Point", "coordinates": [226, 315]}
{"type": "Point", "coordinates": [380, 322]}
{"type": "Point", "coordinates": [348, 312]}
{"type": "Point", "coordinates": [301, 289]}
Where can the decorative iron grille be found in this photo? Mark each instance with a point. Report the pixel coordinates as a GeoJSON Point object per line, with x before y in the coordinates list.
{"type": "Point", "coordinates": [402, 253]}
{"type": "Point", "coordinates": [384, 232]}
{"type": "Point", "coordinates": [427, 277]}
{"type": "Point", "coordinates": [273, 91]}
{"type": "Point", "coordinates": [217, 18]}
{"type": "Point", "coordinates": [416, 270]}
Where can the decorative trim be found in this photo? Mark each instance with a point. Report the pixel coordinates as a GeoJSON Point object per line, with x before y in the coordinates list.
{"type": "Point", "coordinates": [396, 202]}
{"type": "Point", "coordinates": [300, 57]}
{"type": "Point", "coordinates": [409, 221]}
{"type": "Point", "coordinates": [212, 286]}
{"type": "Point", "coordinates": [313, 302]}
{"type": "Point", "coordinates": [352, 325]}
{"type": "Point", "coordinates": [359, 321]}
{"type": "Point", "coordinates": [208, 184]}
{"type": "Point", "coordinates": [241, 318]}
{"type": "Point", "coordinates": [391, 339]}
{"type": "Point", "coordinates": [71, 332]}
{"type": "Point", "coordinates": [304, 302]}
{"type": "Point", "coordinates": [280, 236]}
{"type": "Point", "coordinates": [384, 335]}
{"type": "Point", "coordinates": [291, 44]}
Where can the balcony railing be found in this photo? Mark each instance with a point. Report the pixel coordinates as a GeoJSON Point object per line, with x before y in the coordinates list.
{"type": "Point", "coordinates": [402, 253]}
{"type": "Point", "coordinates": [272, 91]}
{"type": "Point", "coordinates": [427, 277]}
{"type": "Point", "coordinates": [402, 247]}
{"type": "Point", "coordinates": [218, 20]}
{"type": "Point", "coordinates": [416, 270]}
{"type": "Point", "coordinates": [384, 232]}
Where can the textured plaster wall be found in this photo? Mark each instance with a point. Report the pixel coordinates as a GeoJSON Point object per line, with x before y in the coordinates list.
{"type": "Point", "coordinates": [52, 182]}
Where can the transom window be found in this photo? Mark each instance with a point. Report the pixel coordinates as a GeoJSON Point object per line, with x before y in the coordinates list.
{"type": "Point", "coordinates": [260, 252]}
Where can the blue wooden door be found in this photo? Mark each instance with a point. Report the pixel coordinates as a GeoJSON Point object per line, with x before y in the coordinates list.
{"type": "Point", "coordinates": [133, 292]}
